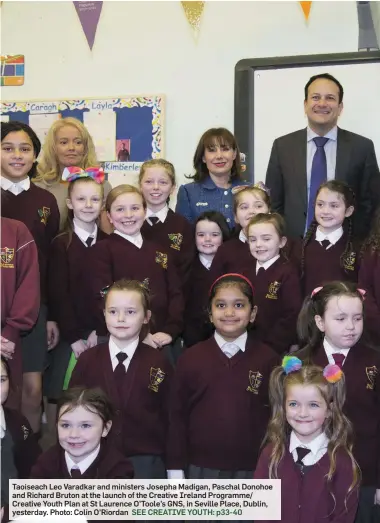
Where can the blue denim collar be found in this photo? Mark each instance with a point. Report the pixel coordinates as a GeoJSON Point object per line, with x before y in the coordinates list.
{"type": "Point", "coordinates": [210, 185]}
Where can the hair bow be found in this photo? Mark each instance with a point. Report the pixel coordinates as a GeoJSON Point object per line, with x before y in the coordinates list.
{"type": "Point", "coordinates": [70, 174]}
{"type": "Point", "coordinates": [259, 185]}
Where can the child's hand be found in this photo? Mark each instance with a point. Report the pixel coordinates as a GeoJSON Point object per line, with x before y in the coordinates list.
{"type": "Point", "coordinates": [78, 347]}
{"type": "Point", "coordinates": [377, 497]}
{"type": "Point", "coordinates": [150, 341]}
{"type": "Point", "coordinates": [92, 340]}
{"type": "Point", "coordinates": [161, 338]}
{"type": "Point", "coordinates": [52, 334]}
{"type": "Point", "coordinates": [7, 348]}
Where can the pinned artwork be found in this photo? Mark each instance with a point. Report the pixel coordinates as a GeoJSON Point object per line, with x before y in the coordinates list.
{"type": "Point", "coordinates": [12, 70]}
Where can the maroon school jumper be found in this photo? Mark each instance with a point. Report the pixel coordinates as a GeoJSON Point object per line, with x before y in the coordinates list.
{"type": "Point", "coordinates": [68, 294]}
{"type": "Point", "coordinates": [175, 235]}
{"type": "Point", "coordinates": [232, 256]}
{"type": "Point", "coordinates": [219, 406]}
{"type": "Point", "coordinates": [322, 265]}
{"type": "Point", "coordinates": [116, 258]}
{"type": "Point", "coordinates": [20, 293]}
{"type": "Point", "coordinates": [278, 298]}
{"type": "Point", "coordinates": [197, 324]}
{"type": "Point", "coordinates": [362, 407]}
{"type": "Point", "coordinates": [140, 421]}
{"type": "Point", "coordinates": [37, 208]}
{"type": "Point", "coordinates": [369, 280]}
{"type": "Point", "coordinates": [309, 498]}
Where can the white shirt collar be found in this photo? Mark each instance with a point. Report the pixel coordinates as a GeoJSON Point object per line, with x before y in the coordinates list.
{"type": "Point", "coordinates": [136, 240]}
{"type": "Point", "coordinates": [3, 425]}
{"type": "Point", "coordinates": [205, 261]}
{"type": "Point", "coordinates": [83, 235]}
{"type": "Point", "coordinates": [85, 463]}
{"type": "Point", "coordinates": [266, 264]}
{"type": "Point", "coordinates": [240, 341]}
{"type": "Point", "coordinates": [242, 236]}
{"type": "Point", "coordinates": [331, 135]}
{"type": "Point", "coordinates": [15, 187]}
{"type": "Point", "coordinates": [330, 349]}
{"type": "Point", "coordinates": [333, 237]}
{"type": "Point", "coordinates": [129, 350]}
{"type": "Point", "coordinates": [161, 215]}
{"type": "Point", "coordinates": [315, 446]}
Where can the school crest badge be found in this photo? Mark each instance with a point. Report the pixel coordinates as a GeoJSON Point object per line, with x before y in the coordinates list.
{"type": "Point", "coordinates": [176, 240]}
{"type": "Point", "coordinates": [156, 376]}
{"type": "Point", "coordinates": [349, 262]}
{"type": "Point", "coordinates": [44, 214]}
{"type": "Point", "coordinates": [255, 380]}
{"type": "Point", "coordinates": [7, 256]}
{"type": "Point", "coordinates": [25, 431]}
{"type": "Point", "coordinates": [273, 289]}
{"type": "Point", "coordinates": [162, 259]}
{"type": "Point", "coordinates": [371, 375]}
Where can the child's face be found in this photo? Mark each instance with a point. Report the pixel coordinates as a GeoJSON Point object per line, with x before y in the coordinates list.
{"type": "Point", "coordinates": [4, 384]}
{"type": "Point", "coordinates": [124, 314]}
{"type": "Point", "coordinates": [17, 156]}
{"type": "Point", "coordinates": [69, 146]}
{"type": "Point", "coordinates": [86, 201]}
{"type": "Point", "coordinates": [306, 411]}
{"type": "Point", "coordinates": [264, 241]}
{"type": "Point", "coordinates": [156, 187]}
{"type": "Point", "coordinates": [127, 213]}
{"type": "Point", "coordinates": [231, 312]}
{"type": "Point", "coordinates": [342, 322]}
{"type": "Point", "coordinates": [219, 159]}
{"type": "Point", "coordinates": [80, 432]}
{"type": "Point", "coordinates": [330, 210]}
{"type": "Point", "coordinates": [249, 204]}
{"type": "Point", "coordinates": [208, 237]}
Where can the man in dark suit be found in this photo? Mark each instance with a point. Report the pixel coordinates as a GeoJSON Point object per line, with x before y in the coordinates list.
{"type": "Point", "coordinates": [302, 160]}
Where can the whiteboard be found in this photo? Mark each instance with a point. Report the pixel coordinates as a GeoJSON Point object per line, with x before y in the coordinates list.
{"type": "Point", "coordinates": [279, 97]}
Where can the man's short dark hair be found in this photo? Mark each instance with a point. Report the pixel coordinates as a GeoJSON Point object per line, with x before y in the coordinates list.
{"type": "Point", "coordinates": [326, 76]}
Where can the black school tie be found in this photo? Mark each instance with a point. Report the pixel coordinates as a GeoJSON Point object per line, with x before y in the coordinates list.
{"type": "Point", "coordinates": [339, 359]}
{"type": "Point", "coordinates": [89, 241]}
{"type": "Point", "coordinates": [75, 473]}
{"type": "Point", "coordinates": [260, 272]}
{"type": "Point", "coordinates": [119, 372]}
{"type": "Point", "coordinates": [153, 220]}
{"type": "Point", "coordinates": [325, 243]}
{"type": "Point", "coordinates": [301, 453]}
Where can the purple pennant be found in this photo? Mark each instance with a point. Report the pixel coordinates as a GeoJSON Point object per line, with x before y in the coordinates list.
{"type": "Point", "coordinates": [89, 13]}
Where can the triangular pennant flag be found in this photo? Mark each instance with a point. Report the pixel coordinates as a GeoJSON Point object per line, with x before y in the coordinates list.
{"type": "Point", "coordinates": [193, 12]}
{"type": "Point", "coordinates": [306, 6]}
{"type": "Point", "coordinates": [89, 13]}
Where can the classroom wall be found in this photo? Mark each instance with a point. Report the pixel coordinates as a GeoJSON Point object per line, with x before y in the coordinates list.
{"type": "Point", "coordinates": [148, 47]}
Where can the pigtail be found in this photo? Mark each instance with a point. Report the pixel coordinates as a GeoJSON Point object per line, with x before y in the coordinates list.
{"type": "Point", "coordinates": [309, 234]}
{"type": "Point", "coordinates": [346, 257]}
{"type": "Point", "coordinates": [372, 242]}
{"type": "Point", "coordinates": [309, 335]}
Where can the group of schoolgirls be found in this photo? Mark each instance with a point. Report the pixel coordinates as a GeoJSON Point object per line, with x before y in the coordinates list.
{"type": "Point", "coordinates": [121, 300]}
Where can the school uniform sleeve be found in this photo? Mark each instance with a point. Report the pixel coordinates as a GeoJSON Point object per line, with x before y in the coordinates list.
{"type": "Point", "coordinates": [366, 282]}
{"type": "Point", "coordinates": [176, 308]}
{"type": "Point", "coordinates": [100, 275]}
{"type": "Point", "coordinates": [60, 301]}
{"type": "Point", "coordinates": [177, 452]}
{"type": "Point", "coordinates": [25, 444]}
{"type": "Point", "coordinates": [26, 302]}
{"type": "Point", "coordinates": [47, 465]}
{"type": "Point", "coordinates": [345, 504]}
{"type": "Point", "coordinates": [189, 252]}
{"type": "Point", "coordinates": [284, 332]}
{"type": "Point", "coordinates": [262, 467]}
{"type": "Point", "coordinates": [79, 374]}
{"type": "Point", "coordinates": [183, 204]}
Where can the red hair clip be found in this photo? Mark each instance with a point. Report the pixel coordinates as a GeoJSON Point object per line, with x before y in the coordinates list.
{"type": "Point", "coordinates": [232, 274]}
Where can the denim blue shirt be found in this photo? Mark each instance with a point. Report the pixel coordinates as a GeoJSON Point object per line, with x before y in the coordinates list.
{"type": "Point", "coordinates": [197, 197]}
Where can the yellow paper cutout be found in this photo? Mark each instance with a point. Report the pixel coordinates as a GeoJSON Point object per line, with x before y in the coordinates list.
{"type": "Point", "coordinates": [306, 6]}
{"type": "Point", "coordinates": [193, 12]}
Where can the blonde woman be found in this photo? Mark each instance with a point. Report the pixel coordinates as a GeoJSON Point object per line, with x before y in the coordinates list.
{"type": "Point", "coordinates": [68, 143]}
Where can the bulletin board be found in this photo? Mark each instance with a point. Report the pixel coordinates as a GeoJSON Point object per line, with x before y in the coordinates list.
{"type": "Point", "coordinates": [126, 131]}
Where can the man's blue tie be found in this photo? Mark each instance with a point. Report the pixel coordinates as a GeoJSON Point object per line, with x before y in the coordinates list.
{"type": "Point", "coordinates": [318, 175]}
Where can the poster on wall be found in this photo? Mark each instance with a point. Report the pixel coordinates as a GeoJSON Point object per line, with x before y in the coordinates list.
{"type": "Point", "coordinates": [126, 131]}
{"type": "Point", "coordinates": [12, 70]}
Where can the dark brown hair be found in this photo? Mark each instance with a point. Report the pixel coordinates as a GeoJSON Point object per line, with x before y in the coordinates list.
{"type": "Point", "coordinates": [215, 136]}
{"type": "Point", "coordinates": [93, 400]}
{"type": "Point", "coordinates": [372, 242]}
{"type": "Point", "coordinates": [232, 280]}
{"type": "Point", "coordinates": [326, 76]}
{"type": "Point", "coordinates": [16, 127]}
{"type": "Point", "coordinates": [219, 219]}
{"type": "Point", "coordinates": [348, 195]}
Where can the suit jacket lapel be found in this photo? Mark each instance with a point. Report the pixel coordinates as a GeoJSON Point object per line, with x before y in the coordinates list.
{"type": "Point", "coordinates": [299, 164]}
{"type": "Point", "coordinates": [343, 153]}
